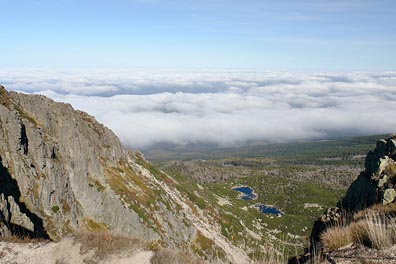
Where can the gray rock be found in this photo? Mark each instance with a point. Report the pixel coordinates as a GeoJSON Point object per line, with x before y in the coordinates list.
{"type": "Point", "coordinates": [373, 185]}
{"type": "Point", "coordinates": [72, 173]}
{"type": "Point", "coordinates": [4, 208]}
{"type": "Point", "coordinates": [17, 217]}
{"type": "Point", "coordinates": [389, 196]}
{"type": "Point", "coordinates": [382, 180]}
{"type": "Point", "coordinates": [379, 174]}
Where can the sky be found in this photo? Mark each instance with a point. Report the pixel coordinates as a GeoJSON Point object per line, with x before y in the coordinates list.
{"type": "Point", "coordinates": [211, 71]}
{"type": "Point", "coordinates": [270, 35]}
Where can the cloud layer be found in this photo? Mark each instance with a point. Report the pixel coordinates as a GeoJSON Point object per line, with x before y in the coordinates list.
{"type": "Point", "coordinates": [226, 108]}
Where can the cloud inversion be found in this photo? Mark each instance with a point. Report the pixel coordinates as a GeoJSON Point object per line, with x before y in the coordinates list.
{"type": "Point", "coordinates": [226, 108]}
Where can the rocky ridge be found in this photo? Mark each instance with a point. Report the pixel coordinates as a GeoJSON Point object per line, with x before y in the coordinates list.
{"type": "Point", "coordinates": [61, 172]}
{"type": "Point", "coordinates": [377, 183]}
{"type": "Point", "coordinates": [373, 191]}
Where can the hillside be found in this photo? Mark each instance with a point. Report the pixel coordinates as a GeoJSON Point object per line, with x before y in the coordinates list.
{"type": "Point", "coordinates": [63, 173]}
{"type": "Point", "coordinates": [304, 151]}
{"type": "Point", "coordinates": [69, 184]}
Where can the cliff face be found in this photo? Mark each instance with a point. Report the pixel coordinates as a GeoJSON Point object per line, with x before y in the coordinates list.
{"type": "Point", "coordinates": [61, 172]}
{"type": "Point", "coordinates": [68, 169]}
{"type": "Point", "coordinates": [53, 160]}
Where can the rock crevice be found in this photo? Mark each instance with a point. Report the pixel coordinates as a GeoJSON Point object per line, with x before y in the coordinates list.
{"type": "Point", "coordinates": [17, 219]}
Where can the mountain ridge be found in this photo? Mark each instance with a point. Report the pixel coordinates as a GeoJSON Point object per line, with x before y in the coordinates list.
{"type": "Point", "coordinates": [74, 174]}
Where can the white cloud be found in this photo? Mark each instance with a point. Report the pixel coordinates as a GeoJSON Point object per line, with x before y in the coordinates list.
{"type": "Point", "coordinates": [144, 108]}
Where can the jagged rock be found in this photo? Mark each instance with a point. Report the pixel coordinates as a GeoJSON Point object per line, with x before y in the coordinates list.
{"type": "Point", "coordinates": [17, 217]}
{"type": "Point", "coordinates": [60, 160]}
{"type": "Point", "coordinates": [380, 168]}
{"type": "Point", "coordinates": [61, 172]}
{"type": "Point", "coordinates": [361, 194]}
{"type": "Point", "coordinates": [374, 185]}
{"type": "Point", "coordinates": [379, 174]}
{"type": "Point", "coordinates": [385, 147]}
{"type": "Point", "coordinates": [4, 208]}
{"type": "Point", "coordinates": [388, 196]}
{"type": "Point", "coordinates": [12, 215]}
{"type": "Point", "coordinates": [382, 180]}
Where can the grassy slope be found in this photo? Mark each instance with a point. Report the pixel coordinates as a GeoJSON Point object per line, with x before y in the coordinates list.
{"type": "Point", "coordinates": [284, 191]}
{"type": "Point", "coordinates": [237, 218]}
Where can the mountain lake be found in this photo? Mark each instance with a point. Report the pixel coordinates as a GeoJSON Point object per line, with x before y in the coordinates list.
{"type": "Point", "coordinates": [248, 194]}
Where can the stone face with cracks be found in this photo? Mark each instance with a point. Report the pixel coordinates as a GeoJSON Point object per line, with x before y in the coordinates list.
{"type": "Point", "coordinates": [17, 217]}
{"type": "Point", "coordinates": [50, 150]}
{"type": "Point", "coordinates": [62, 171]}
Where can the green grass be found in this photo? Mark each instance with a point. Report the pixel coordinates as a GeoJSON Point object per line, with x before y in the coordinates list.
{"type": "Point", "coordinates": [284, 175]}
{"type": "Point", "coordinates": [287, 195]}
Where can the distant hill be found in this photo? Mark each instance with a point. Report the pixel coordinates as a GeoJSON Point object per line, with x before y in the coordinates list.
{"type": "Point", "coordinates": [358, 145]}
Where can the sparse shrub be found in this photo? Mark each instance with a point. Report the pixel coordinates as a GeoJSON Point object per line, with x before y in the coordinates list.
{"type": "Point", "coordinates": [381, 230]}
{"type": "Point", "coordinates": [336, 237]}
{"type": "Point", "coordinates": [274, 257]}
{"type": "Point", "coordinates": [19, 239]}
{"type": "Point", "coordinates": [168, 256]}
{"type": "Point", "coordinates": [271, 254]}
{"type": "Point", "coordinates": [359, 232]}
{"type": "Point", "coordinates": [106, 243]}
{"type": "Point", "coordinates": [388, 209]}
{"type": "Point", "coordinates": [373, 228]}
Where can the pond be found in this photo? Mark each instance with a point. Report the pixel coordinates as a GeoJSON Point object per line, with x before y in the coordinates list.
{"type": "Point", "coordinates": [246, 193]}
{"type": "Point", "coordinates": [271, 210]}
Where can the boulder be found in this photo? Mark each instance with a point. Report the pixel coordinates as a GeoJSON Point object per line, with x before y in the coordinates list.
{"type": "Point", "coordinates": [388, 196]}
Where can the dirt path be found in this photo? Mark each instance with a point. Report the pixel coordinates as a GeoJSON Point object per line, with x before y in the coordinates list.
{"type": "Point", "coordinates": [64, 252]}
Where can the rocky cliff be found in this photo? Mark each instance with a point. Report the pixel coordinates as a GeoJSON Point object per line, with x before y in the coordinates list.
{"type": "Point", "coordinates": [377, 183]}
{"type": "Point", "coordinates": [61, 171]}
{"type": "Point", "coordinates": [368, 195]}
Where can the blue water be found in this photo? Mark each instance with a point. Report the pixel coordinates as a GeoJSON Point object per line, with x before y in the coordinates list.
{"type": "Point", "coordinates": [265, 209]}
{"type": "Point", "coordinates": [247, 193]}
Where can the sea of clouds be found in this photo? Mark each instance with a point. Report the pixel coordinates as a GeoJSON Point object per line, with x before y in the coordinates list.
{"type": "Point", "coordinates": [226, 108]}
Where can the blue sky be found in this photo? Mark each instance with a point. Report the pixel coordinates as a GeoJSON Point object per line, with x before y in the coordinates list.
{"type": "Point", "coordinates": [306, 35]}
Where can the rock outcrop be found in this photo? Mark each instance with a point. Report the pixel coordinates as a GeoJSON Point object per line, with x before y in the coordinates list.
{"type": "Point", "coordinates": [50, 157]}
{"type": "Point", "coordinates": [376, 184]}
{"type": "Point", "coordinates": [62, 172]}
